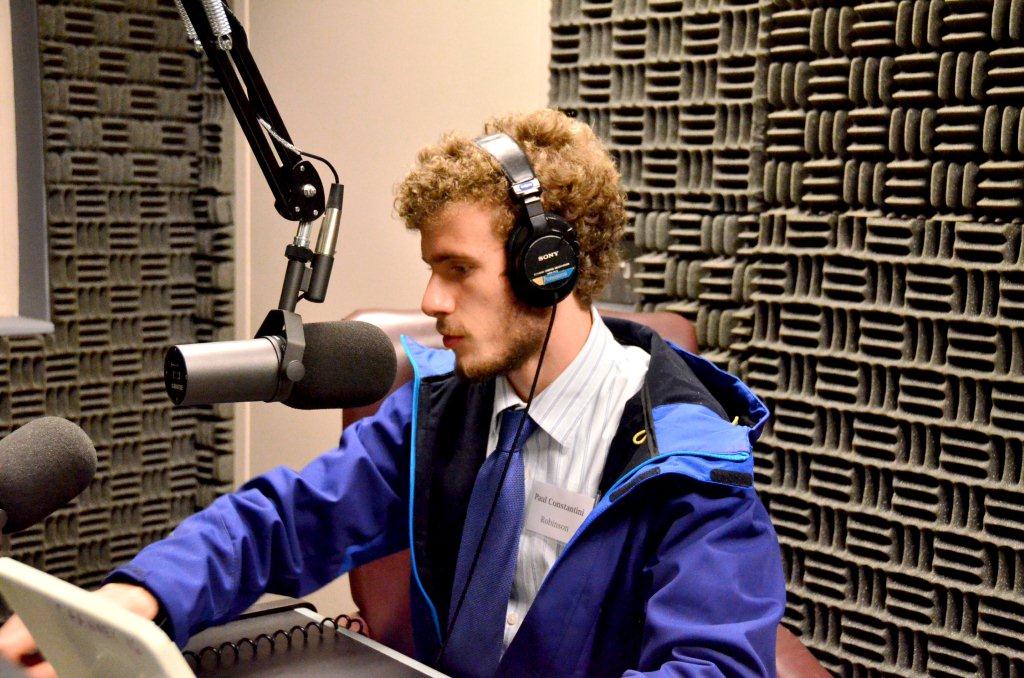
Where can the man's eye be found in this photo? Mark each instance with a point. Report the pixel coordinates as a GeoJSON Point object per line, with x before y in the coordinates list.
{"type": "Point", "coordinates": [460, 269]}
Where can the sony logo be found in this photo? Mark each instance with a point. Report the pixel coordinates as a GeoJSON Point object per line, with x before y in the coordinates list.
{"type": "Point", "coordinates": [544, 257]}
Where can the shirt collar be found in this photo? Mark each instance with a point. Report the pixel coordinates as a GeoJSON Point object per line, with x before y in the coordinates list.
{"type": "Point", "coordinates": [558, 408]}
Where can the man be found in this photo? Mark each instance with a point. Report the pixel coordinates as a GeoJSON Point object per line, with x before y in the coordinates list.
{"type": "Point", "coordinates": [605, 525]}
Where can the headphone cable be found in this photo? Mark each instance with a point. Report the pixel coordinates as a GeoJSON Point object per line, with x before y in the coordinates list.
{"type": "Point", "coordinates": [497, 493]}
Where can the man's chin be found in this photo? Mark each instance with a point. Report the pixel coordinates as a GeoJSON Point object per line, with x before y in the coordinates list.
{"type": "Point", "coordinates": [480, 370]}
{"type": "Point", "coordinates": [482, 361]}
{"type": "Point", "coordinates": [474, 373]}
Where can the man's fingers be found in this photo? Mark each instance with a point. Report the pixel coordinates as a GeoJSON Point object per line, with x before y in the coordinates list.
{"type": "Point", "coordinates": [15, 641]}
{"type": "Point", "coordinates": [19, 647]}
{"type": "Point", "coordinates": [42, 670]}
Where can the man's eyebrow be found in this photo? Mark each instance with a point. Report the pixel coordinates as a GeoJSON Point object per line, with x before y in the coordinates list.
{"type": "Point", "coordinates": [443, 257]}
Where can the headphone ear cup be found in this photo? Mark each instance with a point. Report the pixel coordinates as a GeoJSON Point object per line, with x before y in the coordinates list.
{"type": "Point", "coordinates": [562, 227]}
{"type": "Point", "coordinates": [568, 235]}
{"type": "Point", "coordinates": [543, 266]}
{"type": "Point", "coordinates": [515, 246]}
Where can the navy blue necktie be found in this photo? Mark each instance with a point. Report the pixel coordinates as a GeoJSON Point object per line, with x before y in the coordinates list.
{"type": "Point", "coordinates": [474, 648]}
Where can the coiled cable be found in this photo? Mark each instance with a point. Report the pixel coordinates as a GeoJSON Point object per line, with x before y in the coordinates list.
{"type": "Point", "coordinates": [230, 653]}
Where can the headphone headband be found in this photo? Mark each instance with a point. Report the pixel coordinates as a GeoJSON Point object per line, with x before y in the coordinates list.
{"type": "Point", "coordinates": [542, 249]}
{"type": "Point", "coordinates": [514, 163]}
{"type": "Point", "coordinates": [523, 182]}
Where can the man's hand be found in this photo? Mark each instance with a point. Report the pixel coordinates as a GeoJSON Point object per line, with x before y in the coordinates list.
{"type": "Point", "coordinates": [18, 647]}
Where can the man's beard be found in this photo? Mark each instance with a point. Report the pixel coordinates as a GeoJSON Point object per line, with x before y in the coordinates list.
{"type": "Point", "coordinates": [524, 330]}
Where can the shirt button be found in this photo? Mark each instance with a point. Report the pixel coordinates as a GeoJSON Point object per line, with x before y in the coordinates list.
{"type": "Point", "coordinates": [512, 619]}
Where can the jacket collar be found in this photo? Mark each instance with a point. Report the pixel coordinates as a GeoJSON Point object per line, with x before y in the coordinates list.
{"type": "Point", "coordinates": [672, 368]}
{"type": "Point", "coordinates": [698, 411]}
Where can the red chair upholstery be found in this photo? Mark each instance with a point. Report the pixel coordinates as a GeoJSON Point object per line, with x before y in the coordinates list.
{"type": "Point", "coordinates": [381, 588]}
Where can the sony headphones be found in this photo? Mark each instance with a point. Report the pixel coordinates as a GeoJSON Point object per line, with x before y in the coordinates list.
{"type": "Point", "coordinates": [542, 250]}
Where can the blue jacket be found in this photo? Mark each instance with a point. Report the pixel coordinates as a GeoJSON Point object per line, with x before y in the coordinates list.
{"type": "Point", "coordinates": [676, 571]}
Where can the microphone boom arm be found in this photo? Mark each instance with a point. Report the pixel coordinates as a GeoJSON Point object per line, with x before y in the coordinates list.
{"type": "Point", "coordinates": [294, 182]}
{"type": "Point", "coordinates": [298, 191]}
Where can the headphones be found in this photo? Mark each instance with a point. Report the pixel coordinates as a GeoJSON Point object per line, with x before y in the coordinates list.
{"type": "Point", "coordinates": [542, 250]}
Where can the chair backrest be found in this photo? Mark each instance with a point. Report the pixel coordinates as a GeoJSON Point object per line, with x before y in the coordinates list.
{"type": "Point", "coordinates": [381, 589]}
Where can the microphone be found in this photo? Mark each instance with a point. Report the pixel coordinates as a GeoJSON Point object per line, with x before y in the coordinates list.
{"type": "Point", "coordinates": [43, 465]}
{"type": "Point", "coordinates": [346, 363]}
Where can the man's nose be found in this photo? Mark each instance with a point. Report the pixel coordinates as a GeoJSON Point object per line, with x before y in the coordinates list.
{"type": "Point", "coordinates": [437, 300]}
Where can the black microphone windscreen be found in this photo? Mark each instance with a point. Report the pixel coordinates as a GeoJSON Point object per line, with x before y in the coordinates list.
{"type": "Point", "coordinates": [43, 465]}
{"type": "Point", "coordinates": [349, 363]}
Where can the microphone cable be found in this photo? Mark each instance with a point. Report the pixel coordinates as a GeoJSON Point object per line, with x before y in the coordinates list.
{"type": "Point", "coordinates": [497, 493]}
{"type": "Point", "coordinates": [295, 149]}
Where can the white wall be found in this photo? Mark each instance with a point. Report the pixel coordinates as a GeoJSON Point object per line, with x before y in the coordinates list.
{"type": "Point", "coordinates": [367, 83]}
{"type": "Point", "coordinates": [8, 173]}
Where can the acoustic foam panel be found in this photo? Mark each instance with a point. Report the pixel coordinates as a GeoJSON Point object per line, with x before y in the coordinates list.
{"type": "Point", "coordinates": [140, 256]}
{"type": "Point", "coordinates": [833, 192]}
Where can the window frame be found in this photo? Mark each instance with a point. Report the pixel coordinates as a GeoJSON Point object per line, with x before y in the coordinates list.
{"type": "Point", "coordinates": [33, 263]}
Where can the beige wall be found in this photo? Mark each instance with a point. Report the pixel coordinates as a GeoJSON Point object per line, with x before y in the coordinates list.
{"type": "Point", "coordinates": [367, 83]}
{"type": "Point", "coordinates": [8, 173]}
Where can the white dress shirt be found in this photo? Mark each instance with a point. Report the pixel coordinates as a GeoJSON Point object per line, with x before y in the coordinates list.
{"type": "Point", "coordinates": [577, 416]}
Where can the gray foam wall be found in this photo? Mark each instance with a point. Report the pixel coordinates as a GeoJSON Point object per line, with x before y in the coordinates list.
{"type": "Point", "coordinates": [140, 257]}
{"type": "Point", "coordinates": [833, 192]}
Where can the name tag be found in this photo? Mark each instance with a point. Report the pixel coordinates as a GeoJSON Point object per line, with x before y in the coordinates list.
{"type": "Point", "coordinates": [554, 512]}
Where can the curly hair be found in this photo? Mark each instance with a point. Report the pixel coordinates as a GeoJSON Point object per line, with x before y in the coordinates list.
{"type": "Point", "coordinates": [579, 179]}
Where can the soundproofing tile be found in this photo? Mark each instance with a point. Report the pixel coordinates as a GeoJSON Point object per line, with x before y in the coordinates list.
{"type": "Point", "coordinates": [833, 193]}
{"type": "Point", "coordinates": [140, 255]}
